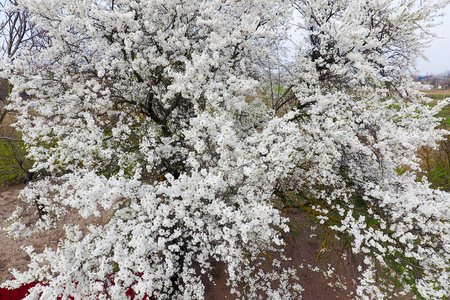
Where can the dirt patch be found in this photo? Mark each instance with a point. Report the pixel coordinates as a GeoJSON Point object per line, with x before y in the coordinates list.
{"type": "Point", "coordinates": [303, 247]}
{"type": "Point", "coordinates": [11, 255]}
{"type": "Point", "coordinates": [314, 251]}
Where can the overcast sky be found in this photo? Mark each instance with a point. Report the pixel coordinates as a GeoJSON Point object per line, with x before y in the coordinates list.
{"type": "Point", "coordinates": [439, 51]}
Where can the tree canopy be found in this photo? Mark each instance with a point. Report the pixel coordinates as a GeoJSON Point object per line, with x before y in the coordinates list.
{"type": "Point", "coordinates": [151, 112]}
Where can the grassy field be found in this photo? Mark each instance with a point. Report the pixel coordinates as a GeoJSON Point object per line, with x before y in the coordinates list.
{"type": "Point", "coordinates": [440, 95]}
{"type": "Point", "coordinates": [436, 163]}
{"type": "Point", "coordinates": [445, 113]}
{"type": "Point", "coordinates": [437, 94]}
{"type": "Point", "coordinates": [445, 92]}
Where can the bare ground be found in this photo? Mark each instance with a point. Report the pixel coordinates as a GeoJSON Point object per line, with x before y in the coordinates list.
{"type": "Point", "coordinates": [303, 245]}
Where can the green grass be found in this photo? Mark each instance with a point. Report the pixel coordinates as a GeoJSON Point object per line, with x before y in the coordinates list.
{"type": "Point", "coordinates": [439, 175]}
{"type": "Point", "coordinates": [437, 94]}
{"type": "Point", "coordinates": [445, 113]}
{"type": "Point", "coordinates": [12, 154]}
{"type": "Point", "coordinates": [437, 163]}
{"type": "Point", "coordinates": [440, 95]}
{"type": "Point", "coordinates": [10, 170]}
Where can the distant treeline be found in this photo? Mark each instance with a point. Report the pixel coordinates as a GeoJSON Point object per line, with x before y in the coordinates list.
{"type": "Point", "coordinates": [441, 81]}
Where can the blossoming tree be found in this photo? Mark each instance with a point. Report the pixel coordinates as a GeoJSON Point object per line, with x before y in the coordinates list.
{"type": "Point", "coordinates": [146, 111]}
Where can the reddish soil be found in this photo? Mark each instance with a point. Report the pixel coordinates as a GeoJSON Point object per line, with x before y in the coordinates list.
{"type": "Point", "coordinates": [303, 246]}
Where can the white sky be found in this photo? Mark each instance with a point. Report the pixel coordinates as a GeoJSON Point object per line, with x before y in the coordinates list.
{"type": "Point", "coordinates": [439, 51]}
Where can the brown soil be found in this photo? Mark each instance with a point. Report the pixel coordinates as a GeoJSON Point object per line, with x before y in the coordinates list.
{"type": "Point", "coordinates": [303, 246]}
{"type": "Point", "coordinates": [11, 255]}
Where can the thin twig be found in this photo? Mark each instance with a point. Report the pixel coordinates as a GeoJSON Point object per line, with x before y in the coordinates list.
{"type": "Point", "coordinates": [9, 139]}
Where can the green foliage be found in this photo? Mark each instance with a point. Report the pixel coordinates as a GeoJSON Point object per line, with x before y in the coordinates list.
{"type": "Point", "coordinates": [12, 162]}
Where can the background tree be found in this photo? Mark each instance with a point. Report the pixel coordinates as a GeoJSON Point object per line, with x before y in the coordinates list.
{"type": "Point", "coordinates": [16, 33]}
